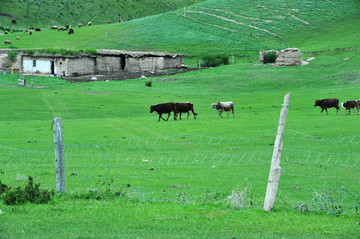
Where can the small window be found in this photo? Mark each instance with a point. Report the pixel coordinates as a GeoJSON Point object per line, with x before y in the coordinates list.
{"type": "Point", "coordinates": [34, 63]}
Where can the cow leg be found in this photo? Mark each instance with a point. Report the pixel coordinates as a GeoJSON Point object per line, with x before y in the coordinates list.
{"type": "Point", "coordinates": [180, 115]}
{"type": "Point", "coordinates": [220, 113]}
{"type": "Point", "coordinates": [160, 117]}
{"type": "Point", "coordinates": [188, 115]}
{"type": "Point", "coordinates": [168, 117]}
{"type": "Point", "coordinates": [326, 111]}
{"type": "Point", "coordinates": [228, 114]}
{"type": "Point", "coordinates": [194, 114]}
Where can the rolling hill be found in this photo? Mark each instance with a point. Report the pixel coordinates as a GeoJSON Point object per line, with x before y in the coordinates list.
{"type": "Point", "coordinates": [240, 27]}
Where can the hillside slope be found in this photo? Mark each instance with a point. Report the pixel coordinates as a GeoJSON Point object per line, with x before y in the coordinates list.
{"type": "Point", "coordinates": [71, 12]}
{"type": "Point", "coordinates": [240, 27]}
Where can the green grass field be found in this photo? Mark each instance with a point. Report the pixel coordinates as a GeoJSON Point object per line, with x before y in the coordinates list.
{"type": "Point", "coordinates": [112, 142]}
{"type": "Point", "coordinates": [130, 176]}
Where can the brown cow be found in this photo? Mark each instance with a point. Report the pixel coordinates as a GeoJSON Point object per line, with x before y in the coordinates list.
{"type": "Point", "coordinates": [185, 107]}
{"type": "Point", "coordinates": [165, 108]}
{"type": "Point", "coordinates": [348, 105]}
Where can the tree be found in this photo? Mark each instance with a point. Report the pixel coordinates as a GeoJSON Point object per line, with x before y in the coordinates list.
{"type": "Point", "coordinates": [12, 56]}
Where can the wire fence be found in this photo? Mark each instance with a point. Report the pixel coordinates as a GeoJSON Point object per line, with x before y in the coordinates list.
{"type": "Point", "coordinates": [317, 173]}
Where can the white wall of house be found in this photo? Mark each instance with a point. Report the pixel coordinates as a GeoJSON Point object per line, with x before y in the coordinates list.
{"type": "Point", "coordinates": [37, 65]}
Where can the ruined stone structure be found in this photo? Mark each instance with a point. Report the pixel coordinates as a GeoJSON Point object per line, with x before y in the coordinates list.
{"type": "Point", "coordinates": [104, 62]}
{"type": "Point", "coordinates": [289, 57]}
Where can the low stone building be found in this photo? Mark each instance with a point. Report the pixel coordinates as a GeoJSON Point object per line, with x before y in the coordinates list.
{"type": "Point", "coordinates": [103, 62]}
{"type": "Point", "coordinates": [289, 57]}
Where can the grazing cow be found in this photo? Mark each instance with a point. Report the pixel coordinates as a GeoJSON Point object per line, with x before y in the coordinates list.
{"type": "Point", "coordinates": [13, 21]}
{"type": "Point", "coordinates": [71, 31]}
{"type": "Point", "coordinates": [109, 22]}
{"type": "Point", "coordinates": [89, 24]}
{"type": "Point", "coordinates": [17, 38]}
{"type": "Point", "coordinates": [30, 32]}
{"type": "Point", "coordinates": [165, 108]}
{"type": "Point", "coordinates": [53, 27]}
{"type": "Point", "coordinates": [6, 32]}
{"type": "Point", "coordinates": [79, 25]}
{"type": "Point", "coordinates": [37, 29]}
{"type": "Point", "coordinates": [327, 103]}
{"type": "Point", "coordinates": [185, 107]}
{"type": "Point", "coordinates": [120, 19]}
{"type": "Point", "coordinates": [7, 42]}
{"type": "Point", "coordinates": [223, 106]}
{"type": "Point", "coordinates": [348, 105]}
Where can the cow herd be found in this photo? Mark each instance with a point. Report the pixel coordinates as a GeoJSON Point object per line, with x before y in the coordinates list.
{"type": "Point", "coordinates": [186, 107]}
{"type": "Point", "coordinates": [334, 103]}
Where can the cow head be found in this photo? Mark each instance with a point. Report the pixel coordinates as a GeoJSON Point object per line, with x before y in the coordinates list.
{"type": "Point", "coordinates": [214, 105]}
{"type": "Point", "coordinates": [316, 103]}
{"type": "Point", "coordinates": [152, 108]}
{"type": "Point", "coordinates": [342, 105]}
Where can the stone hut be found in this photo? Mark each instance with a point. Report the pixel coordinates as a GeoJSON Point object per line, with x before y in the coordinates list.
{"type": "Point", "coordinates": [289, 57]}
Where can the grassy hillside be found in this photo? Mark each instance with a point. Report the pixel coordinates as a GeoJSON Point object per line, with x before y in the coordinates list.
{"type": "Point", "coordinates": [72, 12]}
{"type": "Point", "coordinates": [211, 27]}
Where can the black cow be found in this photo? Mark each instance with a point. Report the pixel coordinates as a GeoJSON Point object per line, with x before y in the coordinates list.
{"type": "Point", "coordinates": [165, 108]}
{"type": "Point", "coordinates": [71, 31]}
{"type": "Point", "coordinates": [348, 105]}
{"type": "Point", "coordinates": [328, 103]}
{"type": "Point", "coordinates": [185, 107]}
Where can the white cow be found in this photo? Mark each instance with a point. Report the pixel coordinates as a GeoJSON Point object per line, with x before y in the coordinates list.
{"type": "Point", "coordinates": [223, 106]}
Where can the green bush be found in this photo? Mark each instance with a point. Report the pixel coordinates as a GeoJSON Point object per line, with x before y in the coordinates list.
{"type": "Point", "coordinates": [148, 83]}
{"type": "Point", "coordinates": [270, 57]}
{"type": "Point", "coordinates": [30, 193]}
{"type": "Point", "coordinates": [215, 60]}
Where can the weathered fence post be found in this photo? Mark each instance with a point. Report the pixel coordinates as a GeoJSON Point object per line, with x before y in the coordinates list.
{"type": "Point", "coordinates": [275, 169]}
{"type": "Point", "coordinates": [59, 155]}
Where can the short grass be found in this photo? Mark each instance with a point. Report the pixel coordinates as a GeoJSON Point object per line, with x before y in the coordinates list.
{"type": "Point", "coordinates": [242, 28]}
{"type": "Point", "coordinates": [182, 197]}
{"type": "Point", "coordinates": [42, 13]}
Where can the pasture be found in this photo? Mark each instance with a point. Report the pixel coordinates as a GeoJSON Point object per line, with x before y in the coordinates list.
{"type": "Point", "coordinates": [129, 175]}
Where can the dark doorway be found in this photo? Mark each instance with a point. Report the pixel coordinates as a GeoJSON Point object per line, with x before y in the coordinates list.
{"type": "Point", "coordinates": [52, 68]}
{"type": "Point", "coordinates": [122, 62]}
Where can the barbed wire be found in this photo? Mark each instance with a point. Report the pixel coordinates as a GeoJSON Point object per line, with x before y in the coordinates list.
{"type": "Point", "coordinates": [195, 164]}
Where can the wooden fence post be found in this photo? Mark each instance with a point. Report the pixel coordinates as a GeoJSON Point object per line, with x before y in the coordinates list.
{"type": "Point", "coordinates": [59, 155]}
{"type": "Point", "coordinates": [275, 169]}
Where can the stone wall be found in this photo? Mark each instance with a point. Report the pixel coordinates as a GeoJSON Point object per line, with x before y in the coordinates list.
{"type": "Point", "coordinates": [262, 55]}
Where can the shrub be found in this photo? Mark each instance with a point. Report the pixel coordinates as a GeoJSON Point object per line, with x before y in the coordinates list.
{"type": "Point", "coordinates": [270, 57]}
{"type": "Point", "coordinates": [148, 83]}
{"type": "Point", "coordinates": [30, 193]}
{"type": "Point", "coordinates": [215, 60]}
